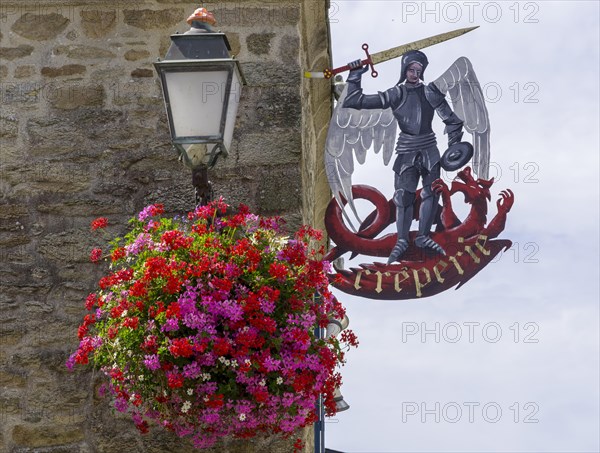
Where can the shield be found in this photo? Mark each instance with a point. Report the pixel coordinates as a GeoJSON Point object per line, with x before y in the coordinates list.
{"type": "Point", "coordinates": [457, 156]}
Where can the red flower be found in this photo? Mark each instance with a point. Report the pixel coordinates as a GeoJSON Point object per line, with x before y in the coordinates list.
{"type": "Point", "coordinates": [298, 446]}
{"type": "Point", "coordinates": [154, 312]}
{"type": "Point", "coordinates": [150, 345]}
{"type": "Point", "coordinates": [90, 301]}
{"type": "Point", "coordinates": [278, 271]}
{"type": "Point", "coordinates": [215, 401]}
{"type": "Point", "coordinates": [95, 255]}
{"type": "Point", "coordinates": [117, 254]}
{"type": "Point", "coordinates": [173, 285]}
{"type": "Point", "coordinates": [181, 347]}
{"type": "Point", "coordinates": [100, 222]}
{"type": "Point", "coordinates": [138, 289]}
{"type": "Point", "coordinates": [175, 380]}
{"type": "Point", "coordinates": [132, 323]}
{"type": "Point", "coordinates": [173, 310]}
{"type": "Point", "coordinates": [349, 337]}
{"type": "Point", "coordinates": [143, 426]}
{"type": "Point", "coordinates": [221, 346]}
{"type": "Point", "coordinates": [261, 395]}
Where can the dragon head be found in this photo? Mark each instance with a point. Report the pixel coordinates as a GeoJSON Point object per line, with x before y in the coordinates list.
{"type": "Point", "coordinates": [473, 188]}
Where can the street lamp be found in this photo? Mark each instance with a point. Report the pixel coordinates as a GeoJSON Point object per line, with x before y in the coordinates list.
{"type": "Point", "coordinates": [201, 85]}
{"type": "Point", "coordinates": [334, 328]}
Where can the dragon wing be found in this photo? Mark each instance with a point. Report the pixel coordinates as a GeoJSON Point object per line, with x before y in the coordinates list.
{"type": "Point", "coordinates": [461, 83]}
{"type": "Point", "coordinates": [351, 133]}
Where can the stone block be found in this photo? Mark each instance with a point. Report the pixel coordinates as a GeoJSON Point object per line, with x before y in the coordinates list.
{"type": "Point", "coordinates": [147, 19]}
{"type": "Point", "coordinates": [66, 70]}
{"type": "Point", "coordinates": [279, 189]}
{"type": "Point", "coordinates": [27, 435]}
{"type": "Point", "coordinates": [13, 240]}
{"type": "Point", "coordinates": [234, 43]}
{"type": "Point", "coordinates": [12, 53]}
{"type": "Point", "coordinates": [40, 27]}
{"type": "Point", "coordinates": [90, 132]}
{"type": "Point", "coordinates": [73, 96]}
{"type": "Point", "coordinates": [142, 72]}
{"type": "Point", "coordinates": [81, 52]}
{"type": "Point", "coordinates": [266, 107]}
{"type": "Point", "coordinates": [248, 16]}
{"type": "Point", "coordinates": [48, 177]}
{"type": "Point", "coordinates": [97, 23]}
{"type": "Point", "coordinates": [9, 127]}
{"type": "Point", "coordinates": [280, 146]}
{"type": "Point", "coordinates": [3, 72]}
{"type": "Point", "coordinates": [260, 43]}
{"type": "Point", "coordinates": [164, 44]}
{"type": "Point", "coordinates": [136, 54]}
{"type": "Point", "coordinates": [71, 246]}
{"type": "Point", "coordinates": [270, 73]}
{"type": "Point", "coordinates": [289, 50]}
{"type": "Point", "coordinates": [22, 72]}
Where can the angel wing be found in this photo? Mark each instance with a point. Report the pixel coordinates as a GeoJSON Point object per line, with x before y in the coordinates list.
{"type": "Point", "coordinates": [461, 83]}
{"type": "Point", "coordinates": [351, 133]}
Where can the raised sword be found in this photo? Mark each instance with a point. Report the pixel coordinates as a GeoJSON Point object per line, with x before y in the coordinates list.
{"type": "Point", "coordinates": [392, 53]}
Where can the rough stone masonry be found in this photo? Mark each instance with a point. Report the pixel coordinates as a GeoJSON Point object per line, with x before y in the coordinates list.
{"type": "Point", "coordinates": [83, 134]}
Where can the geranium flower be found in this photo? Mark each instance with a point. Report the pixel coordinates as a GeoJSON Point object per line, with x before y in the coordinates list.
{"type": "Point", "coordinates": [100, 222]}
{"type": "Point", "coordinates": [205, 324]}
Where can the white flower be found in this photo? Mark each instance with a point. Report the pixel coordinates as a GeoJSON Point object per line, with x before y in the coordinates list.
{"type": "Point", "coordinates": [186, 407]}
{"type": "Point", "coordinates": [234, 363]}
{"type": "Point", "coordinates": [130, 353]}
{"type": "Point", "coordinates": [247, 361]}
{"type": "Point", "coordinates": [124, 313]}
{"type": "Point", "coordinates": [141, 377]}
{"type": "Point", "coordinates": [280, 380]}
{"type": "Point", "coordinates": [227, 362]}
{"type": "Point", "coordinates": [190, 392]}
{"type": "Point", "coordinates": [242, 417]}
{"type": "Point", "coordinates": [222, 359]}
{"type": "Point", "coordinates": [205, 376]}
{"type": "Point", "coordinates": [262, 383]}
{"type": "Point", "coordinates": [278, 242]}
{"type": "Point", "coordinates": [132, 397]}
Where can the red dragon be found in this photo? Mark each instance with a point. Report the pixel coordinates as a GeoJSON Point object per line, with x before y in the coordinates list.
{"type": "Point", "coordinates": [469, 244]}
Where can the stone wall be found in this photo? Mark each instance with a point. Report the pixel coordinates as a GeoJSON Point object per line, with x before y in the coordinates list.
{"type": "Point", "coordinates": [83, 134]}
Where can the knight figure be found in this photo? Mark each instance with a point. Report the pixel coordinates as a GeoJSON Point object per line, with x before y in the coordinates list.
{"type": "Point", "coordinates": [413, 104]}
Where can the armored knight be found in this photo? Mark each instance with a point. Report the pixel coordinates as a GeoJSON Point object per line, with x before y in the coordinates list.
{"type": "Point", "coordinates": [413, 105]}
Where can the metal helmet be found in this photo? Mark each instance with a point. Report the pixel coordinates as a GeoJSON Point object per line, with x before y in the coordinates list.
{"type": "Point", "coordinates": [413, 56]}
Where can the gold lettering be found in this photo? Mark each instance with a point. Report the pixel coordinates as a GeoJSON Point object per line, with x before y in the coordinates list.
{"type": "Point", "coordinates": [378, 288]}
{"type": "Point", "coordinates": [480, 246]}
{"type": "Point", "coordinates": [397, 280]}
{"type": "Point", "coordinates": [358, 277]}
{"type": "Point", "coordinates": [455, 262]}
{"type": "Point", "coordinates": [418, 284]}
{"type": "Point", "coordinates": [470, 252]}
{"type": "Point", "coordinates": [436, 271]}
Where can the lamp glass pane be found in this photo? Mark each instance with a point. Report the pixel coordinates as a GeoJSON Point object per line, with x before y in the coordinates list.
{"type": "Point", "coordinates": [232, 108]}
{"type": "Point", "coordinates": [196, 100]}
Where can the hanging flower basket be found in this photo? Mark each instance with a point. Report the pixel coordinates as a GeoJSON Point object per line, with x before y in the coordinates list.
{"type": "Point", "coordinates": [205, 324]}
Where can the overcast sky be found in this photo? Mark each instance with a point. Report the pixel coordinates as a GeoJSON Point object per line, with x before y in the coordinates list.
{"type": "Point", "coordinates": [535, 387]}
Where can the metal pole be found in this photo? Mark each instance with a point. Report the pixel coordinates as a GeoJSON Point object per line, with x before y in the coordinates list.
{"type": "Point", "coordinates": [320, 424]}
